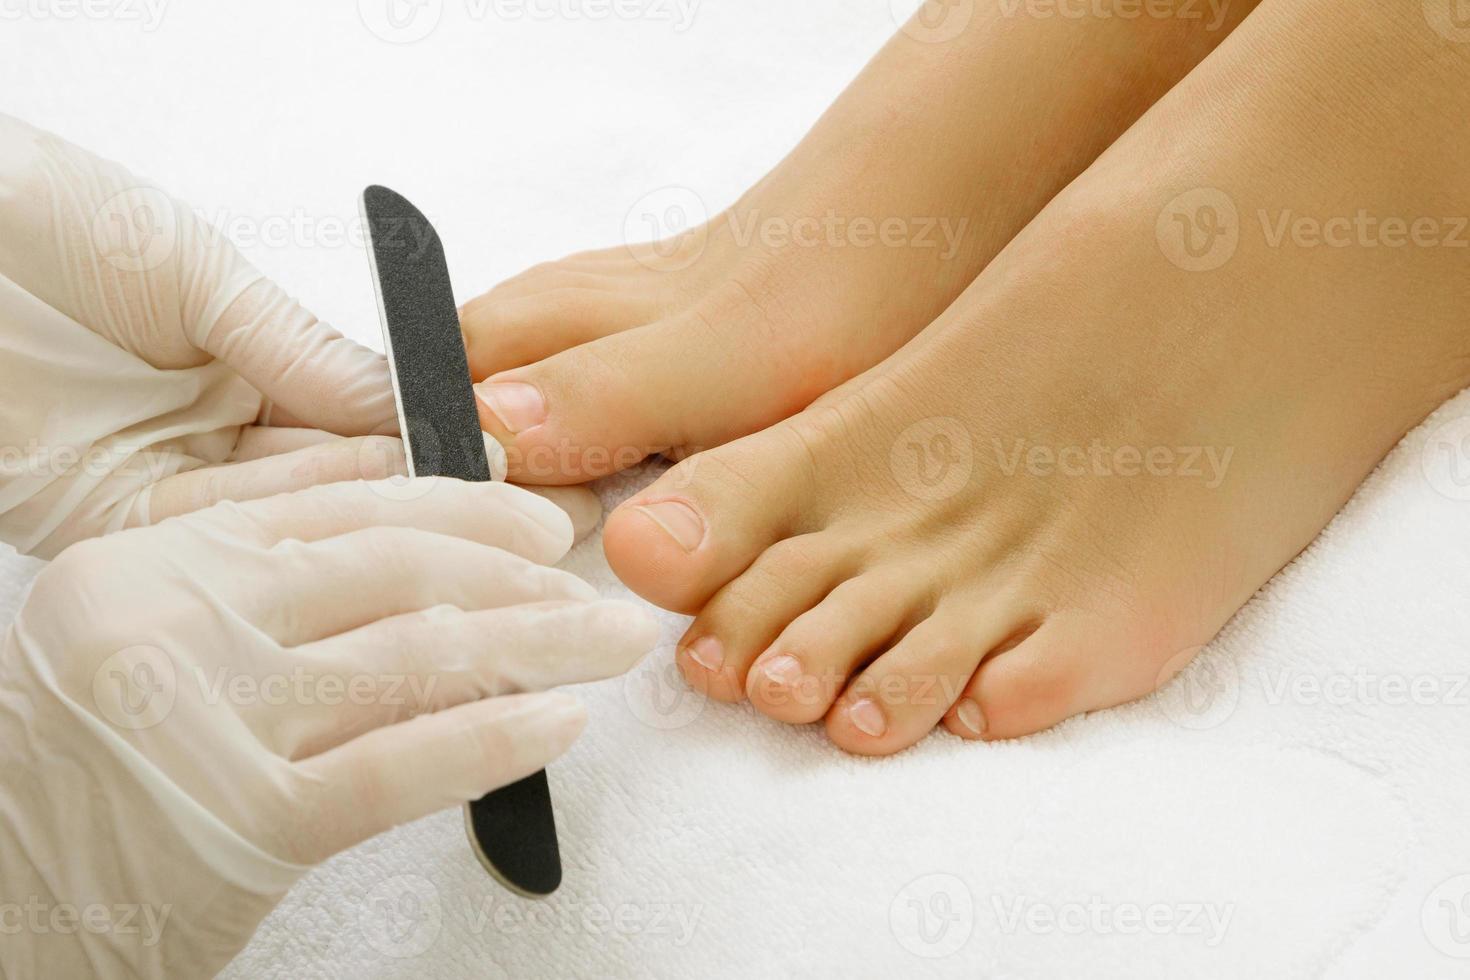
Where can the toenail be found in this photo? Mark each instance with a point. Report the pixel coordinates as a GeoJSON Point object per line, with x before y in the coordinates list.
{"type": "Point", "coordinates": [783, 671]}
{"type": "Point", "coordinates": [518, 406]}
{"type": "Point", "coordinates": [709, 653]}
{"type": "Point", "coordinates": [970, 715]}
{"type": "Point", "coordinates": [681, 521]}
{"type": "Point", "coordinates": [868, 718]}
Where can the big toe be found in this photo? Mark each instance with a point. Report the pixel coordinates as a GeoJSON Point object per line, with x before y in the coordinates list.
{"type": "Point", "coordinates": [707, 519]}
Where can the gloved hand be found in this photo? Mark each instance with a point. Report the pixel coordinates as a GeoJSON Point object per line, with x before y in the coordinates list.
{"type": "Point", "coordinates": [193, 714]}
{"type": "Point", "coordinates": [148, 369]}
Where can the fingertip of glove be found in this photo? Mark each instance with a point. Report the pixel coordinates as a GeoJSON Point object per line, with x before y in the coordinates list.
{"type": "Point", "coordinates": [560, 716]}
{"type": "Point", "coordinates": [557, 533]}
{"type": "Point", "coordinates": [630, 629]}
{"type": "Point", "coordinates": [495, 455]}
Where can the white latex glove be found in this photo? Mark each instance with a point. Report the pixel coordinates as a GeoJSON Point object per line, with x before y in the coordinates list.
{"type": "Point", "coordinates": [179, 733]}
{"type": "Point", "coordinates": [148, 370]}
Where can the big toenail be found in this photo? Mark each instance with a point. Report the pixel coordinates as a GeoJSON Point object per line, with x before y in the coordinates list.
{"type": "Point", "coordinates": [709, 653]}
{"type": "Point", "coordinates": [681, 521]}
{"type": "Point", "coordinates": [518, 406]}
{"type": "Point", "coordinates": [970, 715]}
{"type": "Point", "coordinates": [783, 671]}
{"type": "Point", "coordinates": [868, 718]}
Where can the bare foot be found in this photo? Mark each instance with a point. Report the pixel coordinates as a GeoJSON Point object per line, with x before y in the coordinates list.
{"type": "Point", "coordinates": [935, 157]}
{"type": "Point", "coordinates": [1150, 402]}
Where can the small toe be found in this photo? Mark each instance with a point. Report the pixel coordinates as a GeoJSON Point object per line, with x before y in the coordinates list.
{"type": "Point", "coordinates": [1053, 674]}
{"type": "Point", "coordinates": [802, 672]}
{"type": "Point", "coordinates": [747, 614]}
{"type": "Point", "coordinates": [903, 694]}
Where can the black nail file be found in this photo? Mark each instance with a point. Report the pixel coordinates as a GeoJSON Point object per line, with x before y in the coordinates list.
{"type": "Point", "coordinates": [513, 829]}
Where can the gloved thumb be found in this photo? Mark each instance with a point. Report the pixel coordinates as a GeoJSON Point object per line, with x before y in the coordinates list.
{"type": "Point", "coordinates": [310, 374]}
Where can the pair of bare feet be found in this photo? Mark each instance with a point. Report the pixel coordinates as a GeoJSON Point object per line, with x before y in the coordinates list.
{"type": "Point", "coordinates": [1184, 283]}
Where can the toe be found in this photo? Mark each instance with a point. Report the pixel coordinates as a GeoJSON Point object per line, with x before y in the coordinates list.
{"type": "Point", "coordinates": [1053, 674]}
{"type": "Point", "coordinates": [903, 694]}
{"type": "Point", "coordinates": [746, 615]}
{"type": "Point", "coordinates": [694, 380]}
{"type": "Point", "coordinates": [798, 676]}
{"type": "Point", "coordinates": [707, 519]}
{"type": "Point", "coordinates": [502, 331]}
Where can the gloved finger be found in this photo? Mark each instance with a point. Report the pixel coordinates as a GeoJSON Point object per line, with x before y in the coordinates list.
{"type": "Point", "coordinates": [494, 514]}
{"type": "Point", "coordinates": [427, 661]}
{"type": "Point", "coordinates": [362, 458]}
{"type": "Point", "coordinates": [260, 441]}
{"type": "Point", "coordinates": [580, 504]}
{"type": "Point", "coordinates": [311, 375]}
{"type": "Point", "coordinates": [301, 592]}
{"type": "Point", "coordinates": [406, 771]}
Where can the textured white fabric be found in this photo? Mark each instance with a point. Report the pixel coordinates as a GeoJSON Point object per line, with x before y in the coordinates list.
{"type": "Point", "coordinates": [1329, 826]}
{"type": "Point", "coordinates": [193, 714]}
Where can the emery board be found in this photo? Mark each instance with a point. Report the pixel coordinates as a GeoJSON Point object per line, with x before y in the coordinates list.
{"type": "Point", "coordinates": [513, 829]}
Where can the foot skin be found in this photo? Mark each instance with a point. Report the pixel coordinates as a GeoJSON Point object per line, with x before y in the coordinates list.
{"type": "Point", "coordinates": [1050, 500]}
{"type": "Point", "coordinates": [890, 207]}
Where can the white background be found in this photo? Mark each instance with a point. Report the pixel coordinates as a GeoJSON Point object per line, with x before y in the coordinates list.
{"type": "Point", "coordinates": [1330, 831]}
